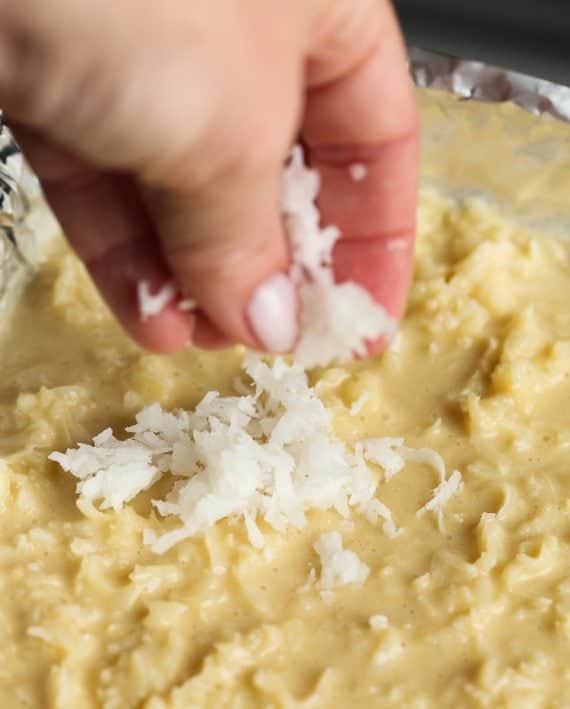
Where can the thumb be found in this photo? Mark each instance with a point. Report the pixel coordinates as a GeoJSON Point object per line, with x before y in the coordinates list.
{"type": "Point", "coordinates": [226, 247]}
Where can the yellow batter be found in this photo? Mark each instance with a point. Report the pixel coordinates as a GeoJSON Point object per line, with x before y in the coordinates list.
{"type": "Point", "coordinates": [478, 614]}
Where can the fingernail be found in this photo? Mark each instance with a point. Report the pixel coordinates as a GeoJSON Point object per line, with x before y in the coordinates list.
{"type": "Point", "coordinates": [272, 313]}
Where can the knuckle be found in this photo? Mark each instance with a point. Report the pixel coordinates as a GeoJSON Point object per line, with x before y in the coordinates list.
{"type": "Point", "coordinates": [24, 76]}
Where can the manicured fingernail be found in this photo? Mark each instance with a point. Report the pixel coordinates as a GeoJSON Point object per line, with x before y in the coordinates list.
{"type": "Point", "coordinates": [272, 313]}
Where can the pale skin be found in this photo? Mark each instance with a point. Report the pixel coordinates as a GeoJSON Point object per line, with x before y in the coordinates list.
{"type": "Point", "coordinates": [159, 131]}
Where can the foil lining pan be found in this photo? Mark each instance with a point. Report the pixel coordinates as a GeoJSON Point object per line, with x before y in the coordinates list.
{"type": "Point", "coordinates": [496, 133]}
{"type": "Point", "coordinates": [485, 131]}
{"type": "Point", "coordinates": [15, 264]}
{"type": "Point", "coordinates": [481, 82]}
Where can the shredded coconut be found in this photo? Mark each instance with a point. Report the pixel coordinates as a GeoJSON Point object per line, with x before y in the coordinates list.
{"type": "Point", "coordinates": [427, 456]}
{"type": "Point", "coordinates": [391, 648]}
{"type": "Point", "coordinates": [385, 452]}
{"type": "Point", "coordinates": [253, 532]}
{"type": "Point", "coordinates": [339, 566]}
{"type": "Point", "coordinates": [356, 406]}
{"type": "Point", "coordinates": [358, 171]}
{"type": "Point", "coordinates": [35, 631]}
{"type": "Point", "coordinates": [442, 493]}
{"type": "Point", "coordinates": [337, 320]}
{"type": "Point", "coordinates": [110, 470]}
{"type": "Point", "coordinates": [266, 456]}
{"type": "Point", "coordinates": [374, 509]}
{"type": "Point", "coordinates": [187, 305]}
{"type": "Point", "coordinates": [152, 304]}
{"type": "Point", "coordinates": [378, 622]}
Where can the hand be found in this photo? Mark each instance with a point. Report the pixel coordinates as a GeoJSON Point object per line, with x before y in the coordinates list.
{"type": "Point", "coordinates": [159, 132]}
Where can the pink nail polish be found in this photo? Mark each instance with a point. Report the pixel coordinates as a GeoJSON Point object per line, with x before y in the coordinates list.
{"type": "Point", "coordinates": [272, 313]}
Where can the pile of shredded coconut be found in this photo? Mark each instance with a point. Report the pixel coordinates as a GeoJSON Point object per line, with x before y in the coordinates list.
{"type": "Point", "coordinates": [337, 320]}
{"type": "Point", "coordinates": [265, 455]}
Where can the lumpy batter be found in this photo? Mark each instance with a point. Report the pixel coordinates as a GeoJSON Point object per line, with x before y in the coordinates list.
{"type": "Point", "coordinates": [477, 609]}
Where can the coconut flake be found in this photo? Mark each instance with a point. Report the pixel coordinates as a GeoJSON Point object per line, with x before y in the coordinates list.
{"type": "Point", "coordinates": [256, 538]}
{"type": "Point", "coordinates": [187, 305]}
{"type": "Point", "coordinates": [339, 566]}
{"type": "Point", "coordinates": [110, 471]}
{"type": "Point", "coordinates": [375, 509]}
{"type": "Point", "coordinates": [357, 405]}
{"type": "Point", "coordinates": [358, 171]}
{"type": "Point", "coordinates": [424, 455]}
{"type": "Point", "coordinates": [151, 304]}
{"type": "Point", "coordinates": [337, 320]}
{"type": "Point", "coordinates": [385, 452]}
{"type": "Point", "coordinates": [36, 631]}
{"type": "Point", "coordinates": [442, 493]}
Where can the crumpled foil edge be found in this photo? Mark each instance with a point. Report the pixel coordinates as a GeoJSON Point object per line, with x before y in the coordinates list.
{"type": "Point", "coordinates": [17, 245]}
{"type": "Point", "coordinates": [473, 80]}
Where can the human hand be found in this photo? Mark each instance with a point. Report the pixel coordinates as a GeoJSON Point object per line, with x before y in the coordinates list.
{"type": "Point", "coordinates": [159, 132]}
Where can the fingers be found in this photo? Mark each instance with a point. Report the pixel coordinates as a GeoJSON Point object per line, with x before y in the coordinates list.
{"type": "Point", "coordinates": [361, 130]}
{"type": "Point", "coordinates": [214, 221]}
{"type": "Point", "coordinates": [103, 218]}
{"type": "Point", "coordinates": [190, 113]}
{"type": "Point", "coordinates": [225, 244]}
{"type": "Point", "coordinates": [104, 221]}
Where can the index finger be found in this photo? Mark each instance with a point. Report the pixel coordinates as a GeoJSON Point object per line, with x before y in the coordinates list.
{"type": "Point", "coordinates": [361, 132]}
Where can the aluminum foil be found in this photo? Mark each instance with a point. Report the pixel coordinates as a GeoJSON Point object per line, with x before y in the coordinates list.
{"type": "Point", "coordinates": [516, 153]}
{"type": "Point", "coordinates": [16, 241]}
{"type": "Point", "coordinates": [495, 133]}
{"type": "Point", "coordinates": [478, 81]}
